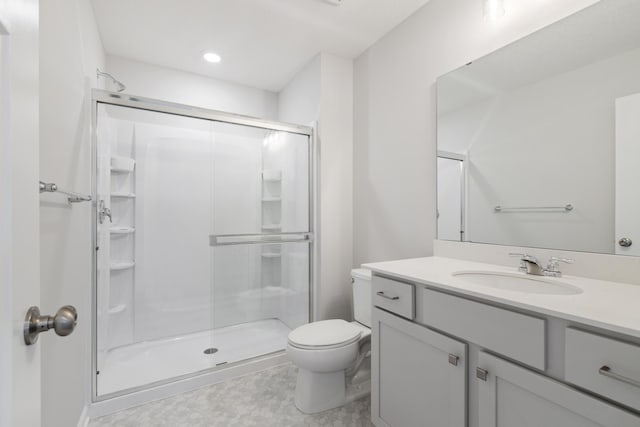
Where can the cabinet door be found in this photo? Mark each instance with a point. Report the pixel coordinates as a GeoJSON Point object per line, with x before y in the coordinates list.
{"type": "Point", "coordinates": [418, 375]}
{"type": "Point", "coordinates": [512, 396]}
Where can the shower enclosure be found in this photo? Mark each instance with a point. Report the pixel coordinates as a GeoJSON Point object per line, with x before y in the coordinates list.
{"type": "Point", "coordinates": [203, 240]}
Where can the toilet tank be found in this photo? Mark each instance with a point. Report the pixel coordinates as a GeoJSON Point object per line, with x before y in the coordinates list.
{"type": "Point", "coordinates": [362, 295]}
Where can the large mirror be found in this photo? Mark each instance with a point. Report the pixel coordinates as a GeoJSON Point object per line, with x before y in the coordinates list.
{"type": "Point", "coordinates": [539, 142]}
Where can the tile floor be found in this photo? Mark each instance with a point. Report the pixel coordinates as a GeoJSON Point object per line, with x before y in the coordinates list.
{"type": "Point", "coordinates": [262, 399]}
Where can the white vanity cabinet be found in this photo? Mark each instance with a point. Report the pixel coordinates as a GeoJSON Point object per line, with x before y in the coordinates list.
{"type": "Point", "coordinates": [418, 375]}
{"type": "Point", "coordinates": [443, 359]}
{"type": "Point", "coordinates": [512, 396]}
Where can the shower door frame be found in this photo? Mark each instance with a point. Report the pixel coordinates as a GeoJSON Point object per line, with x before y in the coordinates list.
{"type": "Point", "coordinates": [99, 96]}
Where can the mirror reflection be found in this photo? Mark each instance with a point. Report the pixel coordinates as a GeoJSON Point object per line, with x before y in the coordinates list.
{"type": "Point", "coordinates": [538, 142]}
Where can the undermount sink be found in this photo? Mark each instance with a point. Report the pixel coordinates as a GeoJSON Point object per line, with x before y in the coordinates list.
{"type": "Point", "coordinates": [518, 282]}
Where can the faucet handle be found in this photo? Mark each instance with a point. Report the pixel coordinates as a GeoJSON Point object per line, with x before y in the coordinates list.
{"type": "Point", "coordinates": [554, 264]}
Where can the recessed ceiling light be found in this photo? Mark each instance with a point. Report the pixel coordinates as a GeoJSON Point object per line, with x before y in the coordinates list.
{"type": "Point", "coordinates": [494, 9]}
{"type": "Point", "coordinates": [214, 58]}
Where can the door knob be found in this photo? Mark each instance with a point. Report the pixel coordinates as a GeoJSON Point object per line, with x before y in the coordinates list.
{"type": "Point", "coordinates": [63, 323]}
{"type": "Point", "coordinates": [625, 242]}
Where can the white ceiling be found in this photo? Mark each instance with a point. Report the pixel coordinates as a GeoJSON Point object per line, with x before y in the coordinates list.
{"type": "Point", "coordinates": [603, 30]}
{"type": "Point", "coordinates": [263, 43]}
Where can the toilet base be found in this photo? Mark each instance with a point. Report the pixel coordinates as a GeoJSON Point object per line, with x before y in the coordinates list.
{"type": "Point", "coordinates": [317, 392]}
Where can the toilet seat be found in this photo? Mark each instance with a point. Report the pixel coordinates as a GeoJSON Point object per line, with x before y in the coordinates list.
{"type": "Point", "coordinates": [325, 334]}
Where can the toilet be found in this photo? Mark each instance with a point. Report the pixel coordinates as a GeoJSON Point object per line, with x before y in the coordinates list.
{"type": "Point", "coordinates": [333, 356]}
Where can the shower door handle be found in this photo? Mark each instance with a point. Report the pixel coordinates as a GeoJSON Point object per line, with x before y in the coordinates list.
{"type": "Point", "coordinates": [258, 239]}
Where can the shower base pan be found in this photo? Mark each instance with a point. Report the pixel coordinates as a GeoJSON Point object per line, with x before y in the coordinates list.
{"type": "Point", "coordinates": [153, 361]}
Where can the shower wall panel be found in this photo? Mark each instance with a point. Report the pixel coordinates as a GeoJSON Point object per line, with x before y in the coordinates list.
{"type": "Point", "coordinates": [173, 291]}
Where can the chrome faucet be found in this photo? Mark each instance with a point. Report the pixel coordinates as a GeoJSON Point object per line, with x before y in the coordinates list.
{"type": "Point", "coordinates": [529, 264]}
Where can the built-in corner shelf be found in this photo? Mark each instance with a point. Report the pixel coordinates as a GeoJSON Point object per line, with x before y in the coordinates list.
{"type": "Point", "coordinates": [122, 164]}
{"type": "Point", "coordinates": [117, 309]}
{"type": "Point", "coordinates": [122, 230]}
{"type": "Point", "coordinates": [271, 255]}
{"type": "Point", "coordinates": [123, 195]}
{"type": "Point", "coordinates": [121, 265]}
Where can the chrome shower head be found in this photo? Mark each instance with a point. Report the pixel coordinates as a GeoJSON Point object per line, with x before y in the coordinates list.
{"type": "Point", "coordinates": [120, 86]}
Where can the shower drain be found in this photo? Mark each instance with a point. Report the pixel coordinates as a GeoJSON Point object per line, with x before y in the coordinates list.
{"type": "Point", "coordinates": [211, 350]}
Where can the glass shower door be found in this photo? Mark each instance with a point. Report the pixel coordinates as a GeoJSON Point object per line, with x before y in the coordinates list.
{"type": "Point", "coordinates": [154, 315]}
{"type": "Point", "coordinates": [260, 239]}
{"type": "Point", "coordinates": [203, 254]}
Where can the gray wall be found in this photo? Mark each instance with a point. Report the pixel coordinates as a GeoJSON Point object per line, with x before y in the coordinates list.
{"type": "Point", "coordinates": [323, 91]}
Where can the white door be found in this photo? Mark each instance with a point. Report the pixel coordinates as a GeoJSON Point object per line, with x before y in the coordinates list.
{"type": "Point", "coordinates": [19, 211]}
{"type": "Point", "coordinates": [627, 233]}
{"type": "Point", "coordinates": [450, 198]}
{"type": "Point", "coordinates": [5, 239]}
{"type": "Point", "coordinates": [418, 375]}
{"type": "Point", "coordinates": [513, 396]}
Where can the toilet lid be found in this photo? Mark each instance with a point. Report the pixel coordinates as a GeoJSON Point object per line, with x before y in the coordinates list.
{"type": "Point", "coordinates": [324, 333]}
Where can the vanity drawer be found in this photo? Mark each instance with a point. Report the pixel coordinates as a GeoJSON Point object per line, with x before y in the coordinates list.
{"type": "Point", "coordinates": [587, 357]}
{"type": "Point", "coordinates": [514, 335]}
{"type": "Point", "coordinates": [396, 297]}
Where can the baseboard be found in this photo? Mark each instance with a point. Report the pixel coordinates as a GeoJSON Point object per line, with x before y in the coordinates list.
{"type": "Point", "coordinates": [83, 421]}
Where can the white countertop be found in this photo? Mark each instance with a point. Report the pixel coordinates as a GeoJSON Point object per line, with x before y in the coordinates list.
{"type": "Point", "coordinates": [608, 305]}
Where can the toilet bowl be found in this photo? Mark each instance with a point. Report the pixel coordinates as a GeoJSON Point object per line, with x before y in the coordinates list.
{"type": "Point", "coordinates": [332, 356]}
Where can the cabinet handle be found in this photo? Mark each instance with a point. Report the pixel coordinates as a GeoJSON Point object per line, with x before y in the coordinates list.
{"type": "Point", "coordinates": [607, 372]}
{"type": "Point", "coordinates": [381, 294]}
{"type": "Point", "coordinates": [482, 374]}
